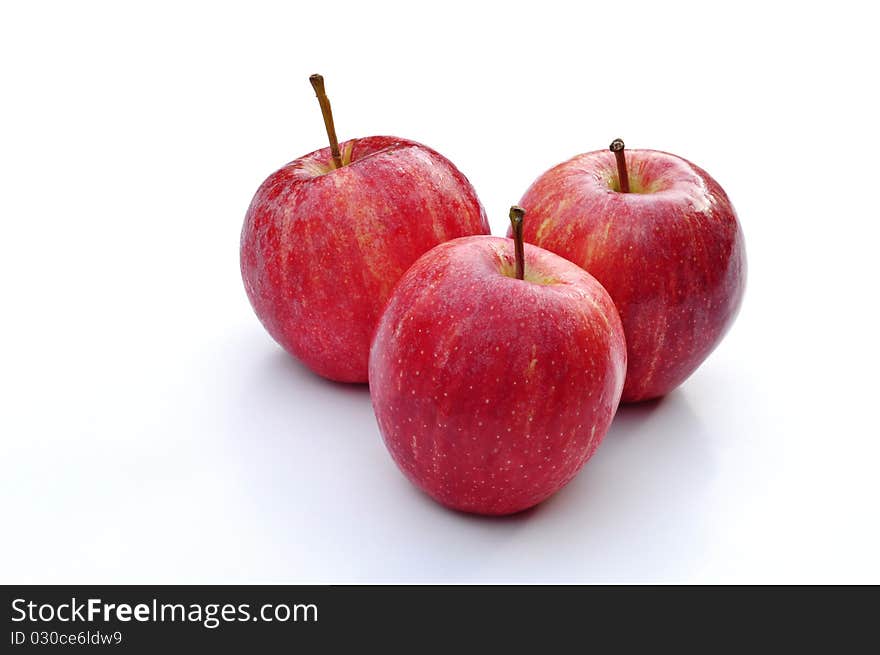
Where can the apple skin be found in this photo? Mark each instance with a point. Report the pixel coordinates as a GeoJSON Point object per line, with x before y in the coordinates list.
{"type": "Point", "coordinates": [492, 392]}
{"type": "Point", "coordinates": [322, 248]}
{"type": "Point", "coordinates": [670, 253]}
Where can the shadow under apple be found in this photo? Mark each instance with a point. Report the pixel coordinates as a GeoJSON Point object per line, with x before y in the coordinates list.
{"type": "Point", "coordinates": [303, 447]}
{"type": "Point", "coordinates": [635, 512]}
{"type": "Point", "coordinates": [334, 507]}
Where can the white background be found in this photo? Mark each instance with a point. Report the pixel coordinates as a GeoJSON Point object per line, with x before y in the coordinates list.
{"type": "Point", "coordinates": [151, 431]}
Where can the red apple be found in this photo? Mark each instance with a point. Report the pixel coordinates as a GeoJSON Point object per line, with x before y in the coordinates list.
{"type": "Point", "coordinates": [491, 392]}
{"type": "Point", "coordinates": [326, 238]}
{"type": "Point", "coordinates": [670, 252]}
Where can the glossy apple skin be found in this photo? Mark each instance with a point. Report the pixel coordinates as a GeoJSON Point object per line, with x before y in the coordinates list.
{"type": "Point", "coordinates": [491, 392]}
{"type": "Point", "coordinates": [670, 254]}
{"type": "Point", "coordinates": [321, 249]}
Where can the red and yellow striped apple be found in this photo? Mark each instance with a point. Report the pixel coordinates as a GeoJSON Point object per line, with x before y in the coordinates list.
{"type": "Point", "coordinates": [669, 250]}
{"type": "Point", "coordinates": [327, 236]}
{"type": "Point", "coordinates": [491, 391]}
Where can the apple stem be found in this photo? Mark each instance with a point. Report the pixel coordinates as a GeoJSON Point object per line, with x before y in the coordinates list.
{"type": "Point", "coordinates": [318, 85]}
{"type": "Point", "coordinates": [623, 177]}
{"type": "Point", "coordinates": [516, 220]}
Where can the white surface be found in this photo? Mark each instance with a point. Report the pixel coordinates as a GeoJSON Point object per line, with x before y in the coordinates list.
{"type": "Point", "coordinates": [152, 431]}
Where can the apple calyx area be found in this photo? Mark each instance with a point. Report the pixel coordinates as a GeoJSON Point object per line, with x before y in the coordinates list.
{"type": "Point", "coordinates": [321, 162]}
{"type": "Point", "coordinates": [354, 152]}
{"type": "Point", "coordinates": [630, 174]}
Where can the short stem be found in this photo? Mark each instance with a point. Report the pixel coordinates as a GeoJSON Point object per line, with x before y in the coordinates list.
{"type": "Point", "coordinates": [516, 220]}
{"type": "Point", "coordinates": [622, 176]}
{"type": "Point", "coordinates": [318, 85]}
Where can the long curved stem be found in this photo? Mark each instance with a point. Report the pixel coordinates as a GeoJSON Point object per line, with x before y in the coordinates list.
{"type": "Point", "coordinates": [318, 85]}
